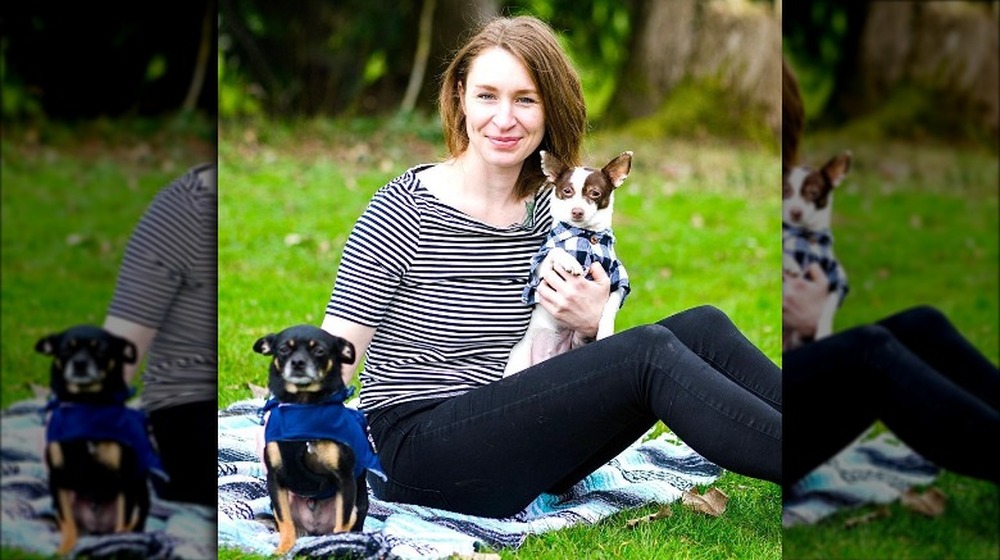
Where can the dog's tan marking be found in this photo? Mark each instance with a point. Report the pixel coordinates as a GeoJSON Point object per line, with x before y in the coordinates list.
{"type": "Point", "coordinates": [312, 344]}
{"type": "Point", "coordinates": [282, 509]}
{"type": "Point", "coordinates": [338, 514]}
{"type": "Point", "coordinates": [56, 455]}
{"type": "Point", "coordinates": [107, 453]}
{"type": "Point", "coordinates": [291, 343]}
{"type": "Point", "coordinates": [273, 455]}
{"type": "Point", "coordinates": [133, 521]}
{"type": "Point", "coordinates": [120, 526]}
{"type": "Point", "coordinates": [277, 364]}
{"type": "Point", "coordinates": [329, 365]}
{"type": "Point", "coordinates": [327, 453]}
{"type": "Point", "coordinates": [286, 527]}
{"type": "Point", "coordinates": [293, 388]}
{"type": "Point", "coordinates": [67, 523]}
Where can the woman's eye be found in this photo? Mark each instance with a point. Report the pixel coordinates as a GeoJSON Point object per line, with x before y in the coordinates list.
{"type": "Point", "coordinates": [527, 100]}
{"type": "Point", "coordinates": [486, 96]}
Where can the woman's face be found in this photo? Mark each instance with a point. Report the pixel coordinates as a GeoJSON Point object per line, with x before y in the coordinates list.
{"type": "Point", "coordinates": [504, 117]}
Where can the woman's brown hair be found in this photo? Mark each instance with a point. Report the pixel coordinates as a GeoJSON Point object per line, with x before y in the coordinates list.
{"type": "Point", "coordinates": [534, 44]}
{"type": "Point", "coordinates": [792, 117]}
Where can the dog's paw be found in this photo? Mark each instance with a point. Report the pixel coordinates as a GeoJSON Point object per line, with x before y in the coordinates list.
{"type": "Point", "coordinates": [566, 262]}
{"type": "Point", "coordinates": [790, 266]}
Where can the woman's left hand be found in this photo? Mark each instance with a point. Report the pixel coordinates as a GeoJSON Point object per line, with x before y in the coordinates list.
{"type": "Point", "coordinates": [574, 301]}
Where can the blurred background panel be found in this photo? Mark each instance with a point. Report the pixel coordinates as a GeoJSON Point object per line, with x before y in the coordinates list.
{"type": "Point", "coordinates": [912, 89]}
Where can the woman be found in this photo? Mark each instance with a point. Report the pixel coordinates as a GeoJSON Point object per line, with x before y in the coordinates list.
{"type": "Point", "coordinates": [430, 284]}
{"type": "Point", "coordinates": [913, 371]}
{"type": "Point", "coordinates": [165, 301]}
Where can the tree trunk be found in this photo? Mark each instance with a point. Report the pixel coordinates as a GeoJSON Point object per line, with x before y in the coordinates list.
{"type": "Point", "coordinates": [454, 22]}
{"type": "Point", "coordinates": [662, 41]}
{"type": "Point", "coordinates": [947, 49]}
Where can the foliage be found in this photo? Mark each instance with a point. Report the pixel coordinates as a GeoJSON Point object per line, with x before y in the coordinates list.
{"type": "Point", "coordinates": [702, 109]}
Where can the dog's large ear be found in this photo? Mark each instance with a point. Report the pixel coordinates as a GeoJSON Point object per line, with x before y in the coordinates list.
{"type": "Point", "coordinates": [836, 169]}
{"type": "Point", "coordinates": [552, 166]}
{"type": "Point", "coordinates": [129, 351]}
{"type": "Point", "coordinates": [264, 345]}
{"type": "Point", "coordinates": [347, 355]}
{"type": "Point", "coordinates": [47, 345]}
{"type": "Point", "coordinates": [617, 169]}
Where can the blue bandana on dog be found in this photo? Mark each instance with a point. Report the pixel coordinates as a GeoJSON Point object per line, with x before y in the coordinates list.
{"type": "Point", "coordinates": [808, 247]}
{"type": "Point", "coordinates": [116, 422]}
{"type": "Point", "coordinates": [330, 420]}
{"type": "Point", "coordinates": [587, 247]}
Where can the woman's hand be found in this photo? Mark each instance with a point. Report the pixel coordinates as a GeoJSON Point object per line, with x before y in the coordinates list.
{"type": "Point", "coordinates": [575, 301]}
{"type": "Point", "coordinates": [802, 301]}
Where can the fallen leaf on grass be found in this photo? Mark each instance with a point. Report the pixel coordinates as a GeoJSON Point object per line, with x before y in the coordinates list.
{"type": "Point", "coordinates": [712, 502]}
{"type": "Point", "coordinates": [930, 503]}
{"type": "Point", "coordinates": [257, 391]}
{"type": "Point", "coordinates": [866, 518]}
{"type": "Point", "coordinates": [664, 513]}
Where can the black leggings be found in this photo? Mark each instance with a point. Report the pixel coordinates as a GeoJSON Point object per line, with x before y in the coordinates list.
{"type": "Point", "coordinates": [914, 372]}
{"type": "Point", "coordinates": [187, 438]}
{"type": "Point", "coordinates": [493, 450]}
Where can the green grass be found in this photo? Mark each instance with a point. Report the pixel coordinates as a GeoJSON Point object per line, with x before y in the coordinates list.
{"type": "Point", "coordinates": [71, 196]}
{"type": "Point", "coordinates": [915, 223]}
{"type": "Point", "coordinates": [697, 223]}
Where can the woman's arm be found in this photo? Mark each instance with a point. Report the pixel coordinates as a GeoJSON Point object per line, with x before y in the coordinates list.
{"type": "Point", "coordinates": [140, 335]}
{"type": "Point", "coordinates": [357, 334]}
{"type": "Point", "coordinates": [802, 302]}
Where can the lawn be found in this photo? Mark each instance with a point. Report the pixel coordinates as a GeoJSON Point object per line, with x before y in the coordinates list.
{"type": "Point", "coordinates": [697, 223]}
{"type": "Point", "coordinates": [915, 224]}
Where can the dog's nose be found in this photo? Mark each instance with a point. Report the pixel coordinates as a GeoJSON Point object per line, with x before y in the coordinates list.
{"type": "Point", "coordinates": [796, 214]}
{"type": "Point", "coordinates": [80, 365]}
{"type": "Point", "coordinates": [298, 363]}
{"type": "Point", "coordinates": [577, 213]}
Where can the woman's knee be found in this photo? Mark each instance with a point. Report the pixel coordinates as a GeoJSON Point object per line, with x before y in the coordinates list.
{"type": "Point", "coordinates": [706, 317]}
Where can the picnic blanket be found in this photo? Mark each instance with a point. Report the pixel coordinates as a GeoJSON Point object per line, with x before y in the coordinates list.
{"type": "Point", "coordinates": [656, 471]}
{"type": "Point", "coordinates": [871, 470]}
{"type": "Point", "coordinates": [27, 520]}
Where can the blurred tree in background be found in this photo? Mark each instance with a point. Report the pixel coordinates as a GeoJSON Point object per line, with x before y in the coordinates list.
{"type": "Point", "coordinates": [909, 69]}
{"type": "Point", "coordinates": [379, 57]}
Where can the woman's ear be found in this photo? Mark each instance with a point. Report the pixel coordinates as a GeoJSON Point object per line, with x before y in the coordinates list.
{"type": "Point", "coordinates": [461, 97]}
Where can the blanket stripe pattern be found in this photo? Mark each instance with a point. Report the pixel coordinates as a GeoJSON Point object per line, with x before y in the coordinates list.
{"type": "Point", "coordinates": [871, 470]}
{"type": "Point", "coordinates": [27, 519]}
{"type": "Point", "coordinates": [656, 471]}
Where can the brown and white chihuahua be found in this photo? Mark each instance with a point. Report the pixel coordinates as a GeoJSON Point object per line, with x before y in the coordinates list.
{"type": "Point", "coordinates": [582, 202]}
{"type": "Point", "coordinates": [806, 207]}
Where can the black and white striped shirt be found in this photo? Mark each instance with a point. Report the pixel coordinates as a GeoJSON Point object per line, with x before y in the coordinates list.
{"type": "Point", "coordinates": [167, 281]}
{"type": "Point", "coordinates": [442, 290]}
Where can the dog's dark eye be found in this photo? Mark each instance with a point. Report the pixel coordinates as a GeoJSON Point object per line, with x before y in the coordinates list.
{"type": "Point", "coordinates": [594, 195]}
{"type": "Point", "coordinates": [284, 350]}
{"type": "Point", "coordinates": [567, 191]}
{"type": "Point", "coordinates": [319, 351]}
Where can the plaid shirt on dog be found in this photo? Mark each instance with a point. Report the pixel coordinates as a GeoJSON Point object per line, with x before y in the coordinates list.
{"type": "Point", "coordinates": [808, 247]}
{"type": "Point", "coordinates": [588, 247]}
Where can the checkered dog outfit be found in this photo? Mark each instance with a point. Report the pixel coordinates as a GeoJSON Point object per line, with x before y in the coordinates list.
{"type": "Point", "coordinates": [587, 247]}
{"type": "Point", "coordinates": [808, 247]}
